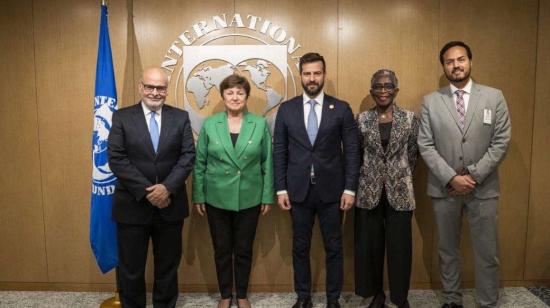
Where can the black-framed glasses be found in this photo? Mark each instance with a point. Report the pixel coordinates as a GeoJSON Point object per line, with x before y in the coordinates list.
{"type": "Point", "coordinates": [378, 87]}
{"type": "Point", "coordinates": [150, 88]}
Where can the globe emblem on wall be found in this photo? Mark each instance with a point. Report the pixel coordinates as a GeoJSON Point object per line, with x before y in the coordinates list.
{"type": "Point", "coordinates": [103, 112]}
{"type": "Point", "coordinates": [266, 82]}
{"type": "Point", "coordinates": [204, 67]}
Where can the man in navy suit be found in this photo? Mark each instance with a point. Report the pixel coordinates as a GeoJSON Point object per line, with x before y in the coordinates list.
{"type": "Point", "coordinates": [316, 158]}
{"type": "Point", "coordinates": [151, 151]}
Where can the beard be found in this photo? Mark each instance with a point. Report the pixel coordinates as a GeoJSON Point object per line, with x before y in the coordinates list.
{"type": "Point", "coordinates": [457, 79]}
{"type": "Point", "coordinates": [314, 92]}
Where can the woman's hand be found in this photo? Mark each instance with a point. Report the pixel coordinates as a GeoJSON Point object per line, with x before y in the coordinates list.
{"type": "Point", "coordinates": [200, 208]}
{"type": "Point", "coordinates": [265, 208]}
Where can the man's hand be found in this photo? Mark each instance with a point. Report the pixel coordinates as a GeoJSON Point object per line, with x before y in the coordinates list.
{"type": "Point", "coordinates": [346, 202]}
{"type": "Point", "coordinates": [158, 195]}
{"type": "Point", "coordinates": [462, 185]}
{"type": "Point", "coordinates": [265, 208]}
{"type": "Point", "coordinates": [201, 209]}
{"type": "Point", "coordinates": [284, 202]}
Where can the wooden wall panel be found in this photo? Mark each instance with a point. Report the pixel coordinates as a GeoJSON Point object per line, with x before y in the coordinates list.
{"type": "Point", "coordinates": [400, 36]}
{"type": "Point", "coordinates": [22, 251]}
{"type": "Point", "coordinates": [48, 50]}
{"type": "Point", "coordinates": [502, 35]}
{"type": "Point", "coordinates": [66, 36]}
{"type": "Point", "coordinates": [537, 264]}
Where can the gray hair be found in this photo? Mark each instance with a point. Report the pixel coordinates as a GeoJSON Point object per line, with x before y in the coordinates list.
{"type": "Point", "coordinates": [384, 73]}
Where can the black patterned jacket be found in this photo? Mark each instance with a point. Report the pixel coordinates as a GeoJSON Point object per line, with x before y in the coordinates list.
{"type": "Point", "coordinates": [391, 169]}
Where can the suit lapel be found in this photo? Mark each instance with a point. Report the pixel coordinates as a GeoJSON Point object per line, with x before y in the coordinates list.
{"type": "Point", "coordinates": [299, 120]}
{"type": "Point", "coordinates": [447, 98]}
{"type": "Point", "coordinates": [372, 126]}
{"type": "Point", "coordinates": [222, 129]}
{"type": "Point", "coordinates": [247, 129]}
{"type": "Point", "coordinates": [473, 106]}
{"type": "Point", "coordinates": [141, 125]}
{"type": "Point", "coordinates": [399, 119]}
{"type": "Point", "coordinates": [326, 117]}
{"type": "Point", "coordinates": [166, 127]}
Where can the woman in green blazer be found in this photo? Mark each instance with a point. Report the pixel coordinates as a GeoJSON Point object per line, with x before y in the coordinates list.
{"type": "Point", "coordinates": [233, 184]}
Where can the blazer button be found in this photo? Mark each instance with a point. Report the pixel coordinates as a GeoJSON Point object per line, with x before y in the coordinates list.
{"type": "Point", "coordinates": [460, 158]}
{"type": "Point", "coordinates": [226, 172]}
{"type": "Point", "coordinates": [239, 172]}
{"type": "Point", "coordinates": [245, 157]}
{"type": "Point", "coordinates": [249, 141]}
{"type": "Point", "coordinates": [463, 140]}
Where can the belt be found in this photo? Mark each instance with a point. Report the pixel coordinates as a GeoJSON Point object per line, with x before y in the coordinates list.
{"type": "Point", "coordinates": [312, 180]}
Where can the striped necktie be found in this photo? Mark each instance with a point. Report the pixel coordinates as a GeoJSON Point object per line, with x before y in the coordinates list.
{"type": "Point", "coordinates": [460, 107]}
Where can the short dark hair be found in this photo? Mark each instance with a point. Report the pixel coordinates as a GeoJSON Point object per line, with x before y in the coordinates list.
{"type": "Point", "coordinates": [452, 44]}
{"type": "Point", "coordinates": [233, 81]}
{"type": "Point", "coordinates": [311, 57]}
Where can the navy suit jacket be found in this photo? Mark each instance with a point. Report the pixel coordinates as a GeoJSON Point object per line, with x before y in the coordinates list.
{"type": "Point", "coordinates": [133, 160]}
{"type": "Point", "coordinates": [335, 154]}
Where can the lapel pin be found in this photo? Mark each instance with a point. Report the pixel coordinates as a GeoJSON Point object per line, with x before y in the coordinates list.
{"type": "Point", "coordinates": [331, 106]}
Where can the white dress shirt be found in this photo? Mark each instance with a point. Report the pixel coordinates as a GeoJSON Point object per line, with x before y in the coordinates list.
{"type": "Point", "coordinates": [147, 113]}
{"type": "Point", "coordinates": [466, 96]}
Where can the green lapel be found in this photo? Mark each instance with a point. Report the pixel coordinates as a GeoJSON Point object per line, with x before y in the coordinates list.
{"type": "Point", "coordinates": [222, 129]}
{"type": "Point", "coordinates": [248, 126]}
{"type": "Point", "coordinates": [245, 136]}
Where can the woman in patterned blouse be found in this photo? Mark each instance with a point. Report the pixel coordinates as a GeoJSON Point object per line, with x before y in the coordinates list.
{"type": "Point", "coordinates": [385, 197]}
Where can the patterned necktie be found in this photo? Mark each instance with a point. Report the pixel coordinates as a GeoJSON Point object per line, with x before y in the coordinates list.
{"type": "Point", "coordinates": [154, 130]}
{"type": "Point", "coordinates": [460, 107]}
{"type": "Point", "coordinates": [312, 127]}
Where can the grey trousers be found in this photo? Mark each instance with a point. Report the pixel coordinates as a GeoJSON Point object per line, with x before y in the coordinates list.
{"type": "Point", "coordinates": [482, 219]}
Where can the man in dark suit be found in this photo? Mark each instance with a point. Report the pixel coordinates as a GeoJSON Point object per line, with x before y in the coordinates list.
{"type": "Point", "coordinates": [316, 158]}
{"type": "Point", "coordinates": [151, 152]}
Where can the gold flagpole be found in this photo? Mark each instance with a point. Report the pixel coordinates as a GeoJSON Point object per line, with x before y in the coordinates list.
{"type": "Point", "coordinates": [112, 302]}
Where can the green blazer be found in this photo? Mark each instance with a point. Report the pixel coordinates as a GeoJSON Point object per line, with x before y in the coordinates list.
{"type": "Point", "coordinates": [233, 178]}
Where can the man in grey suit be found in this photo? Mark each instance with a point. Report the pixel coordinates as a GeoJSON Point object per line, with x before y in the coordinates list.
{"type": "Point", "coordinates": [464, 136]}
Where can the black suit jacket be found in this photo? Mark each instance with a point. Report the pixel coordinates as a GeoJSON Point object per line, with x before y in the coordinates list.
{"type": "Point", "coordinates": [133, 160]}
{"type": "Point", "coordinates": [335, 154]}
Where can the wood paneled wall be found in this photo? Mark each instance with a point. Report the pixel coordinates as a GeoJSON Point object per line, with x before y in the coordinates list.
{"type": "Point", "coordinates": [48, 52]}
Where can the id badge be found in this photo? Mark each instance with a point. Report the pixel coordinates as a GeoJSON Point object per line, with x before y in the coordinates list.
{"type": "Point", "coordinates": [487, 116]}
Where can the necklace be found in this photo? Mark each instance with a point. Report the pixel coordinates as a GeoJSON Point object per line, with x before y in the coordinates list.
{"type": "Point", "coordinates": [385, 115]}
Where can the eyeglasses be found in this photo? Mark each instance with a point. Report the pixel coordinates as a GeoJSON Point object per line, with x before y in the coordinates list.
{"type": "Point", "coordinates": [378, 87]}
{"type": "Point", "coordinates": [150, 88]}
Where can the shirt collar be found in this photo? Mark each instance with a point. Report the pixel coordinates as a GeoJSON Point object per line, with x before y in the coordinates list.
{"type": "Point", "coordinates": [147, 111]}
{"type": "Point", "coordinates": [467, 88]}
{"type": "Point", "coordinates": [319, 99]}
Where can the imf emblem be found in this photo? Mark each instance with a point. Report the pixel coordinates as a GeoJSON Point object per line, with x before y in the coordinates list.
{"type": "Point", "coordinates": [265, 60]}
{"type": "Point", "coordinates": [103, 178]}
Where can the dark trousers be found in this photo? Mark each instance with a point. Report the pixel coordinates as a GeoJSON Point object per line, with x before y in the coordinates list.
{"type": "Point", "coordinates": [376, 230]}
{"type": "Point", "coordinates": [133, 242]}
{"type": "Point", "coordinates": [303, 218]}
{"type": "Point", "coordinates": [233, 236]}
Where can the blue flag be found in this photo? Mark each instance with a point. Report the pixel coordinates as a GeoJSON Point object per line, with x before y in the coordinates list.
{"type": "Point", "coordinates": [102, 226]}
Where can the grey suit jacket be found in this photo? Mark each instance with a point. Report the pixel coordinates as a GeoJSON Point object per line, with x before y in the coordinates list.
{"type": "Point", "coordinates": [479, 147]}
